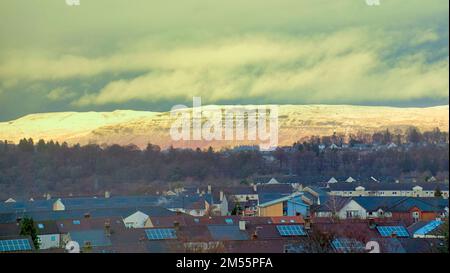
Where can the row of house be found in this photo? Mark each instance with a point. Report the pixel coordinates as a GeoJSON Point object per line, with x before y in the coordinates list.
{"type": "Point", "coordinates": [405, 209]}
{"type": "Point", "coordinates": [428, 189]}
{"type": "Point", "coordinates": [272, 217]}
{"type": "Point", "coordinates": [232, 234]}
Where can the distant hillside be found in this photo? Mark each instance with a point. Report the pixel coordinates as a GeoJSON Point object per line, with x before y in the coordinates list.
{"type": "Point", "coordinates": [141, 127]}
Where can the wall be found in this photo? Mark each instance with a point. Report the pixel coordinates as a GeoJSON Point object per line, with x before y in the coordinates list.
{"type": "Point", "coordinates": [49, 241]}
{"type": "Point", "coordinates": [352, 206]}
{"type": "Point", "coordinates": [273, 210]}
{"type": "Point", "coordinates": [297, 205]}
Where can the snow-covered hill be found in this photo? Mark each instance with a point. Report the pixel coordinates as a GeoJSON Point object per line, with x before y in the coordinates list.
{"type": "Point", "coordinates": [141, 127]}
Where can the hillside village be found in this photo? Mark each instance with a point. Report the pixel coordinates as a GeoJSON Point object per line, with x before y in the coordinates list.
{"type": "Point", "coordinates": [271, 214]}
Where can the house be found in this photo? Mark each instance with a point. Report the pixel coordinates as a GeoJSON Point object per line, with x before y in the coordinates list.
{"type": "Point", "coordinates": [338, 207]}
{"type": "Point", "coordinates": [332, 181]}
{"type": "Point", "coordinates": [48, 234]}
{"type": "Point", "coordinates": [219, 204]}
{"type": "Point", "coordinates": [290, 205]}
{"type": "Point", "coordinates": [350, 180]}
{"type": "Point", "coordinates": [406, 209]}
{"type": "Point", "coordinates": [136, 220]}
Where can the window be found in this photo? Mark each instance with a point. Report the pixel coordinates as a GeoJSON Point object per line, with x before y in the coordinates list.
{"type": "Point", "coordinates": [41, 226]}
{"type": "Point", "coordinates": [76, 222]}
{"type": "Point", "coordinates": [352, 214]}
{"type": "Point", "coordinates": [53, 238]}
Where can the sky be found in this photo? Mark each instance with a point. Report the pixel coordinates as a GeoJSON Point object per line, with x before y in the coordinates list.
{"type": "Point", "coordinates": [149, 55]}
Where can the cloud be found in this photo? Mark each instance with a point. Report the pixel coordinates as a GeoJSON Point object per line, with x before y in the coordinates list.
{"type": "Point", "coordinates": [346, 66]}
{"type": "Point", "coordinates": [60, 93]}
{"type": "Point", "coordinates": [276, 51]}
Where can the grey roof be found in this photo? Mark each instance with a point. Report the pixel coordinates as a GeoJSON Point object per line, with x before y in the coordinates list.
{"type": "Point", "coordinates": [374, 203]}
{"type": "Point", "coordinates": [76, 203]}
{"type": "Point", "coordinates": [80, 213]}
{"type": "Point", "coordinates": [274, 188]}
{"type": "Point", "coordinates": [402, 203]}
{"type": "Point", "coordinates": [95, 237]}
{"type": "Point", "coordinates": [331, 204]}
{"type": "Point", "coordinates": [227, 232]}
{"type": "Point", "coordinates": [267, 197]}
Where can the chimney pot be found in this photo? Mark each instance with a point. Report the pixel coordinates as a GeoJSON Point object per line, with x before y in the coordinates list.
{"type": "Point", "coordinates": [242, 225]}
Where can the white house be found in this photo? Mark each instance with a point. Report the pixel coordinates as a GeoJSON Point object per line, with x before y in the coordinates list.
{"type": "Point", "coordinates": [352, 210]}
{"type": "Point", "coordinates": [427, 189]}
{"type": "Point", "coordinates": [273, 181]}
{"type": "Point", "coordinates": [332, 180]}
{"type": "Point", "coordinates": [350, 180]}
{"type": "Point", "coordinates": [48, 235]}
{"type": "Point", "coordinates": [136, 220]}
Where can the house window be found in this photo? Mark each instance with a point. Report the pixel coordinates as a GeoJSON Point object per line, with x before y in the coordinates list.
{"type": "Point", "coordinates": [76, 222]}
{"type": "Point", "coordinates": [41, 226]}
{"type": "Point", "coordinates": [352, 214]}
{"type": "Point", "coordinates": [53, 238]}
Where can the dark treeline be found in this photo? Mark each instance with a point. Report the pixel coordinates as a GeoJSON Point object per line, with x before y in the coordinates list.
{"type": "Point", "coordinates": [52, 167]}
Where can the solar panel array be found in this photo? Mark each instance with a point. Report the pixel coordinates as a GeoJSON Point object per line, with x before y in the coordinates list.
{"type": "Point", "coordinates": [387, 231]}
{"type": "Point", "coordinates": [347, 245]}
{"type": "Point", "coordinates": [428, 227]}
{"type": "Point", "coordinates": [14, 245]}
{"type": "Point", "coordinates": [291, 230]}
{"type": "Point", "coordinates": [160, 233]}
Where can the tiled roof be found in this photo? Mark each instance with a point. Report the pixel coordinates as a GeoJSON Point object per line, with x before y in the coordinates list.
{"type": "Point", "coordinates": [227, 232]}
{"type": "Point", "coordinates": [80, 213]}
{"type": "Point", "coordinates": [331, 204]}
{"type": "Point", "coordinates": [95, 237]}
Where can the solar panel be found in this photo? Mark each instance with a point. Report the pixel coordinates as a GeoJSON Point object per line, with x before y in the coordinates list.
{"type": "Point", "coordinates": [428, 227]}
{"type": "Point", "coordinates": [291, 230]}
{"type": "Point", "coordinates": [347, 245]}
{"type": "Point", "coordinates": [14, 245]}
{"type": "Point", "coordinates": [387, 231]}
{"type": "Point", "coordinates": [160, 233]}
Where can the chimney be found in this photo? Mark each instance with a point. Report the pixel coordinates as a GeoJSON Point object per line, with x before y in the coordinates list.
{"type": "Point", "coordinates": [87, 245]}
{"type": "Point", "coordinates": [87, 215]}
{"type": "Point", "coordinates": [48, 196]}
{"type": "Point", "coordinates": [107, 228]}
{"type": "Point", "coordinates": [242, 225]}
{"type": "Point", "coordinates": [176, 225]}
{"type": "Point", "coordinates": [209, 189]}
{"type": "Point", "coordinates": [307, 222]}
{"type": "Point", "coordinates": [221, 196]}
{"type": "Point", "coordinates": [107, 194]}
{"type": "Point", "coordinates": [393, 235]}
